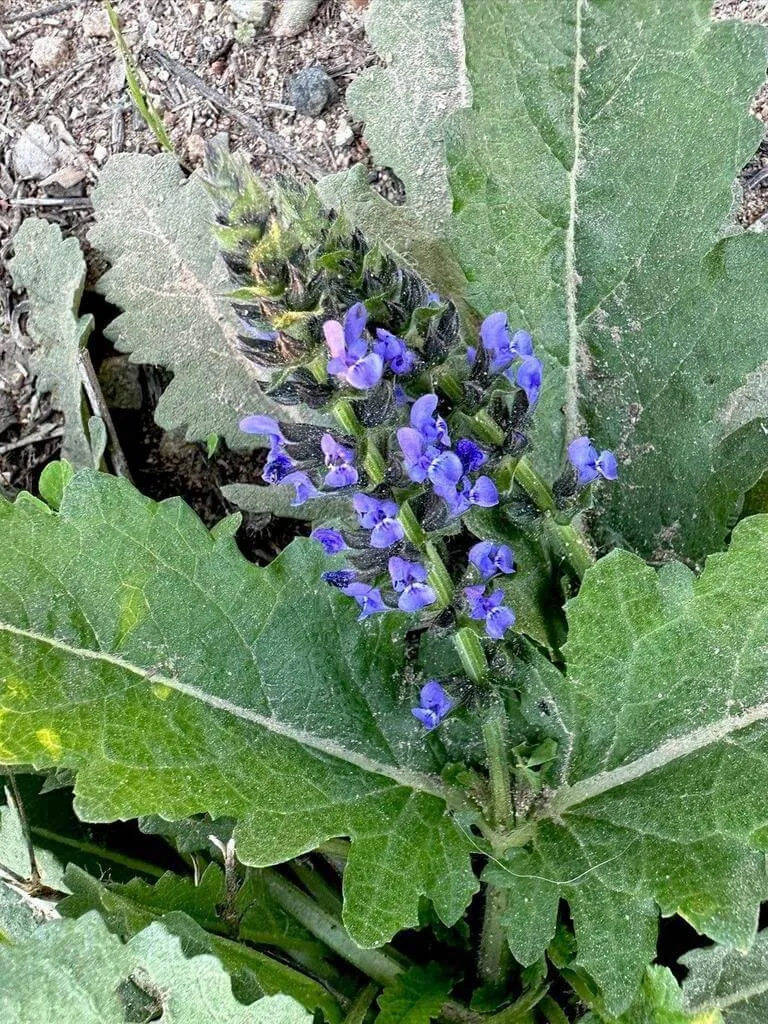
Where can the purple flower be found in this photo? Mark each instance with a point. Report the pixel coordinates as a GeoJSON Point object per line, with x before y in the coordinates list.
{"type": "Point", "coordinates": [529, 374]}
{"type": "Point", "coordinates": [265, 425]}
{"type": "Point", "coordinates": [432, 428]}
{"type": "Point", "coordinates": [471, 355]}
{"type": "Point", "coordinates": [433, 299]}
{"type": "Point", "coordinates": [444, 473]}
{"type": "Point", "coordinates": [277, 466]}
{"type": "Point", "coordinates": [418, 456]}
{"type": "Point", "coordinates": [434, 705]}
{"type": "Point", "coordinates": [340, 578]}
{"type": "Point", "coordinates": [482, 492]}
{"type": "Point", "coordinates": [584, 457]}
{"type": "Point", "coordinates": [331, 540]}
{"type": "Point", "coordinates": [369, 598]}
{"type": "Point", "coordinates": [409, 581]}
{"type": "Point", "coordinates": [497, 617]}
{"type": "Point", "coordinates": [503, 350]}
{"type": "Point", "coordinates": [380, 518]}
{"type": "Point", "coordinates": [394, 351]}
{"type": "Point", "coordinates": [472, 455]}
{"type": "Point", "coordinates": [340, 462]}
{"type": "Point", "coordinates": [350, 359]}
{"type": "Point", "coordinates": [305, 489]}
{"type": "Point", "coordinates": [490, 558]}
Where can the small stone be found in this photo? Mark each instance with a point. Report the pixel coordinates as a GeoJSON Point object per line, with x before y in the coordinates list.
{"type": "Point", "coordinates": [95, 25]}
{"type": "Point", "coordinates": [344, 135]}
{"type": "Point", "coordinates": [210, 11]}
{"type": "Point", "coordinates": [310, 91]}
{"type": "Point", "coordinates": [34, 154]}
{"type": "Point", "coordinates": [195, 148]}
{"type": "Point", "coordinates": [254, 12]}
{"type": "Point", "coordinates": [67, 181]}
{"type": "Point", "coordinates": [48, 51]}
{"type": "Point", "coordinates": [100, 153]}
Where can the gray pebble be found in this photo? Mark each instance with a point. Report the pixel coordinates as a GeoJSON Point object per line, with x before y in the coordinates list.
{"type": "Point", "coordinates": [310, 91]}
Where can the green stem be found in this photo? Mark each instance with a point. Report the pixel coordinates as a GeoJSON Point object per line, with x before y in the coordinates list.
{"type": "Point", "coordinates": [373, 962]}
{"type": "Point", "coordinates": [132, 863]}
{"type": "Point", "coordinates": [373, 462]}
{"type": "Point", "coordinates": [552, 1011]}
{"type": "Point", "coordinates": [317, 887]}
{"type": "Point", "coordinates": [411, 525]}
{"type": "Point", "coordinates": [471, 653]}
{"type": "Point", "coordinates": [532, 483]}
{"type": "Point", "coordinates": [570, 544]}
{"type": "Point", "coordinates": [359, 1009]}
{"type": "Point", "coordinates": [438, 576]}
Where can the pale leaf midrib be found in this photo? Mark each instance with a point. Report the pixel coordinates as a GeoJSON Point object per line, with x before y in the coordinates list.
{"type": "Point", "coordinates": [742, 995]}
{"type": "Point", "coordinates": [419, 781]}
{"type": "Point", "coordinates": [671, 750]}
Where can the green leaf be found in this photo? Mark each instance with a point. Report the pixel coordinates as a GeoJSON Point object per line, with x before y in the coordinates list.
{"type": "Point", "coordinates": [661, 801]}
{"type": "Point", "coordinates": [193, 912]}
{"type": "Point", "coordinates": [578, 211]}
{"type": "Point", "coordinates": [190, 835]}
{"type": "Point", "coordinates": [726, 980]}
{"type": "Point", "coordinates": [659, 1001]}
{"type": "Point", "coordinates": [14, 848]}
{"type": "Point", "coordinates": [405, 106]}
{"type": "Point", "coordinates": [51, 270]}
{"type": "Point", "coordinates": [76, 970]}
{"type": "Point", "coordinates": [177, 678]}
{"type": "Point", "coordinates": [154, 228]}
{"type": "Point", "coordinates": [18, 917]}
{"type": "Point", "coordinates": [417, 996]}
{"type": "Point", "coordinates": [53, 480]}
{"type": "Point", "coordinates": [275, 500]}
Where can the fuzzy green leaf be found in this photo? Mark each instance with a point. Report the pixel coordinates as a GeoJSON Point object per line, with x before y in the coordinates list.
{"type": "Point", "coordinates": [725, 980]}
{"type": "Point", "coordinates": [593, 180]}
{"type": "Point", "coordinates": [177, 678]}
{"type": "Point", "coordinates": [663, 736]}
{"type": "Point", "coordinates": [417, 996]}
{"type": "Point", "coordinates": [154, 227]}
{"type": "Point", "coordinates": [659, 1001]}
{"type": "Point", "coordinates": [194, 913]}
{"type": "Point", "coordinates": [51, 270]}
{"type": "Point", "coordinates": [405, 106]}
{"type": "Point", "coordinates": [18, 916]}
{"type": "Point", "coordinates": [77, 971]}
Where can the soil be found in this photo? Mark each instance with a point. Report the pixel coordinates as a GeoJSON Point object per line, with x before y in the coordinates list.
{"type": "Point", "coordinates": [60, 70]}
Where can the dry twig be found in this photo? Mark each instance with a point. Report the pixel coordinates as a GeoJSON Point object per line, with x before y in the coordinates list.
{"type": "Point", "coordinates": [41, 12]}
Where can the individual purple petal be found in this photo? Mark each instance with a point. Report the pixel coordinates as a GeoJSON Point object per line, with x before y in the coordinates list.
{"type": "Point", "coordinates": [433, 695]}
{"type": "Point", "coordinates": [431, 427]}
{"type": "Point", "coordinates": [428, 718]}
{"type": "Point", "coordinates": [354, 325]}
{"type": "Point", "coordinates": [386, 533]}
{"type": "Point", "coordinates": [472, 455]}
{"type": "Point", "coordinates": [458, 499]}
{"type": "Point", "coordinates": [341, 476]}
{"type": "Point", "coordinates": [484, 493]}
{"type": "Point", "coordinates": [365, 373]}
{"type": "Point", "coordinates": [334, 339]}
{"type": "Point", "coordinates": [340, 578]}
{"type": "Point", "coordinates": [369, 598]}
{"type": "Point", "coordinates": [529, 374]}
{"type": "Point", "coordinates": [522, 344]}
{"type": "Point", "coordinates": [471, 355]}
{"type": "Point", "coordinates": [583, 457]}
{"type": "Point", "coordinates": [607, 465]}
{"type": "Point", "coordinates": [265, 425]}
{"type": "Point", "coordinates": [417, 457]}
{"type": "Point", "coordinates": [476, 600]}
{"type": "Point", "coordinates": [277, 466]}
{"type": "Point", "coordinates": [433, 299]}
{"type": "Point", "coordinates": [416, 596]}
{"type": "Point", "coordinates": [498, 620]}
{"type": "Point", "coordinates": [445, 472]}
{"type": "Point", "coordinates": [305, 489]}
{"type": "Point", "coordinates": [494, 335]}
{"type": "Point", "coordinates": [331, 540]}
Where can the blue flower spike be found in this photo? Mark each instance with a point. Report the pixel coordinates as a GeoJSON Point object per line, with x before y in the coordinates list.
{"type": "Point", "coordinates": [589, 464]}
{"type": "Point", "coordinates": [409, 580]}
{"type": "Point", "coordinates": [380, 518]}
{"type": "Point", "coordinates": [351, 361]}
{"type": "Point", "coordinates": [489, 608]}
{"type": "Point", "coordinates": [340, 462]}
{"type": "Point", "coordinates": [331, 540]}
{"type": "Point", "coordinates": [490, 559]}
{"type": "Point", "coordinates": [434, 705]}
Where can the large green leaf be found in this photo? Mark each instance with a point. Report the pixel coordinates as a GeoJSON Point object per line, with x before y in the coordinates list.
{"type": "Point", "coordinates": [659, 1001]}
{"type": "Point", "coordinates": [76, 971]}
{"type": "Point", "coordinates": [51, 270]}
{"type": "Point", "coordinates": [664, 745]}
{"type": "Point", "coordinates": [154, 227]}
{"type": "Point", "coordinates": [593, 180]}
{"type": "Point", "coordinates": [176, 678]}
{"type": "Point", "coordinates": [405, 106]}
{"type": "Point", "coordinates": [194, 913]}
{"type": "Point", "coordinates": [725, 980]}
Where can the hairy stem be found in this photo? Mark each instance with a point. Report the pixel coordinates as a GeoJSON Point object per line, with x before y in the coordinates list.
{"type": "Point", "coordinates": [374, 962]}
{"type": "Point", "coordinates": [359, 1009]}
{"type": "Point", "coordinates": [471, 653]}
